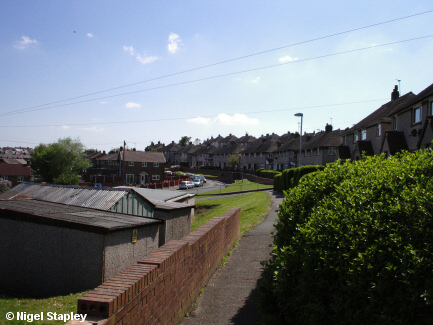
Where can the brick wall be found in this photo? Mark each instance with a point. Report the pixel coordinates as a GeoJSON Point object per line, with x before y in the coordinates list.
{"type": "Point", "coordinates": [163, 286]}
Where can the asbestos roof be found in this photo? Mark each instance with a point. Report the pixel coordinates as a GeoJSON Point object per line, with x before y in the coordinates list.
{"type": "Point", "coordinates": [96, 198]}
{"type": "Point", "coordinates": [69, 216]}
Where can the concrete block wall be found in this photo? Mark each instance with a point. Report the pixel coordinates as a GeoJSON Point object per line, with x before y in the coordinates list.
{"type": "Point", "coordinates": [163, 286]}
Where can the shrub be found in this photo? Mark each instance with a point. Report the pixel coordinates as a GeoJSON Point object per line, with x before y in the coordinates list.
{"type": "Point", "coordinates": [4, 185]}
{"type": "Point", "coordinates": [278, 182]}
{"type": "Point", "coordinates": [354, 245]}
{"type": "Point", "coordinates": [184, 163]}
{"type": "Point", "coordinates": [268, 173]}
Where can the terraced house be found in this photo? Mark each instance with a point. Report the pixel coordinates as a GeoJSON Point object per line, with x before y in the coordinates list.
{"type": "Point", "coordinates": [403, 123]}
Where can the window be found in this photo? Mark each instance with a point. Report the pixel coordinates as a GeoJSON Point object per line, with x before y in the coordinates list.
{"type": "Point", "coordinates": [5, 177]}
{"type": "Point", "coordinates": [394, 123]}
{"type": "Point", "coordinates": [364, 134]}
{"type": "Point", "coordinates": [305, 153]}
{"type": "Point", "coordinates": [318, 152]}
{"type": "Point", "coordinates": [155, 164]}
{"type": "Point", "coordinates": [430, 108]}
{"type": "Point", "coordinates": [155, 177]}
{"type": "Point", "coordinates": [144, 164]}
{"type": "Point", "coordinates": [20, 179]}
{"type": "Point", "coordinates": [129, 178]}
{"type": "Point", "coordinates": [379, 130]}
{"type": "Point", "coordinates": [332, 151]}
{"type": "Point", "coordinates": [311, 152]}
{"type": "Point", "coordinates": [131, 163]}
{"type": "Point", "coordinates": [417, 114]}
{"type": "Point", "coordinates": [355, 137]}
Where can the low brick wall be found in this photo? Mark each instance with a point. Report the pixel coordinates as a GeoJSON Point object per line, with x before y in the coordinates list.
{"type": "Point", "coordinates": [163, 286]}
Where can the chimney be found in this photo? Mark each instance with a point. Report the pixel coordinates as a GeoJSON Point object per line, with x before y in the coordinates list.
{"type": "Point", "coordinates": [395, 94]}
{"type": "Point", "coordinates": [278, 144]}
{"type": "Point", "coordinates": [328, 128]}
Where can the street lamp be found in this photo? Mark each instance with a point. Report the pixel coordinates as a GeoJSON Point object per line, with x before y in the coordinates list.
{"type": "Point", "coordinates": [300, 138]}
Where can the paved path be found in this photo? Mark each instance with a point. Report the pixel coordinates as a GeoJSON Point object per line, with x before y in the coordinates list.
{"type": "Point", "coordinates": [229, 295]}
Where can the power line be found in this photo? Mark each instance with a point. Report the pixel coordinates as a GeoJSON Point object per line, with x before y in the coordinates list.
{"type": "Point", "coordinates": [188, 118]}
{"type": "Point", "coordinates": [219, 76]}
{"type": "Point", "coordinates": [222, 62]}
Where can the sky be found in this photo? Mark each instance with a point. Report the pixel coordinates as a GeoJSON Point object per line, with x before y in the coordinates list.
{"type": "Point", "coordinates": [105, 72]}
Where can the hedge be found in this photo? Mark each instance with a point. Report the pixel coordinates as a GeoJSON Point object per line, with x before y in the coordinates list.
{"type": "Point", "coordinates": [289, 178]}
{"type": "Point", "coordinates": [354, 245]}
{"type": "Point", "coordinates": [268, 173]}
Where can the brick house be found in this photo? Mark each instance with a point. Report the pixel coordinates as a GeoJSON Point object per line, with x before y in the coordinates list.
{"type": "Point", "coordinates": [141, 167]}
{"type": "Point", "coordinates": [367, 136]}
{"type": "Point", "coordinates": [411, 125]}
{"type": "Point", "coordinates": [16, 173]}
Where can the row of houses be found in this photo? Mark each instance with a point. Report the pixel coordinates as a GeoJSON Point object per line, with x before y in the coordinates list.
{"type": "Point", "coordinates": [403, 123]}
{"type": "Point", "coordinates": [15, 165]}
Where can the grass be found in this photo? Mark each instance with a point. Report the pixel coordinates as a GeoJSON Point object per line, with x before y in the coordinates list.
{"type": "Point", "coordinates": [59, 305]}
{"type": "Point", "coordinates": [254, 208]}
{"type": "Point", "coordinates": [239, 185]}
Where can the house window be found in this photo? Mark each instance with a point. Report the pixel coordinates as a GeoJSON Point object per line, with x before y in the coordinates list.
{"type": "Point", "coordinates": [254, 155]}
{"type": "Point", "coordinates": [355, 137]}
{"type": "Point", "coordinates": [417, 113]}
{"type": "Point", "coordinates": [305, 153]}
{"type": "Point", "coordinates": [332, 151]}
{"type": "Point", "coordinates": [261, 154]}
{"type": "Point", "coordinates": [155, 177]}
{"type": "Point", "coordinates": [311, 152]}
{"type": "Point", "coordinates": [394, 123]}
{"type": "Point", "coordinates": [131, 163]}
{"type": "Point", "coordinates": [155, 164]}
{"type": "Point", "coordinates": [379, 130]}
{"type": "Point", "coordinates": [318, 152]}
{"type": "Point", "coordinates": [20, 179]}
{"type": "Point", "coordinates": [129, 178]}
{"type": "Point", "coordinates": [5, 177]}
{"type": "Point", "coordinates": [144, 164]}
{"type": "Point", "coordinates": [364, 135]}
{"type": "Point", "coordinates": [430, 108]}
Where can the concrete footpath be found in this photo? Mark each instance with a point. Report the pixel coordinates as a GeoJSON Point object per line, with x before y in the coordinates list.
{"type": "Point", "coordinates": [229, 296]}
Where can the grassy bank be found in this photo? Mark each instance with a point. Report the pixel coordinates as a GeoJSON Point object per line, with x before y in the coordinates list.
{"type": "Point", "coordinates": [239, 185]}
{"type": "Point", "coordinates": [254, 207]}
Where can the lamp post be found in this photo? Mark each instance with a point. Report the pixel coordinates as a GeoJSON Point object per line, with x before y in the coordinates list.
{"type": "Point", "coordinates": [300, 138]}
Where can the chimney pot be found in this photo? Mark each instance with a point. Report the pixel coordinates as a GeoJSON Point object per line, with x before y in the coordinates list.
{"type": "Point", "coordinates": [395, 94]}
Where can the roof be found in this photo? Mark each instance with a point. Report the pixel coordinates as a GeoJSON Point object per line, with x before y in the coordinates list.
{"type": "Point", "coordinates": [14, 170]}
{"type": "Point", "coordinates": [71, 195]}
{"type": "Point", "coordinates": [110, 156]}
{"type": "Point", "coordinates": [365, 146]}
{"type": "Point", "coordinates": [143, 156]}
{"type": "Point", "coordinates": [96, 198]}
{"type": "Point", "coordinates": [18, 161]}
{"type": "Point", "coordinates": [325, 139]}
{"type": "Point", "coordinates": [426, 93]}
{"type": "Point", "coordinates": [382, 112]}
{"type": "Point", "coordinates": [69, 216]}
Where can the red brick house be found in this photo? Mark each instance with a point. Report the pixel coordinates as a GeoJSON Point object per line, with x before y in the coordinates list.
{"type": "Point", "coordinates": [15, 173]}
{"type": "Point", "coordinates": [141, 167]}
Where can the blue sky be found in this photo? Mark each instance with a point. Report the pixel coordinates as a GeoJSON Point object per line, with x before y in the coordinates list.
{"type": "Point", "coordinates": [142, 71]}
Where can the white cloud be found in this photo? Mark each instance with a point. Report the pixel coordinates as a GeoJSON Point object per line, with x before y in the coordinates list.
{"type": "Point", "coordinates": [103, 103]}
{"type": "Point", "coordinates": [142, 58]}
{"type": "Point", "coordinates": [199, 120]}
{"type": "Point", "coordinates": [253, 80]}
{"type": "Point", "coordinates": [236, 119]}
{"type": "Point", "coordinates": [24, 42]}
{"type": "Point", "coordinates": [132, 105]}
{"type": "Point", "coordinates": [65, 127]}
{"type": "Point", "coordinates": [173, 43]}
{"type": "Point", "coordinates": [94, 129]}
{"type": "Point", "coordinates": [287, 58]}
{"type": "Point", "coordinates": [90, 35]}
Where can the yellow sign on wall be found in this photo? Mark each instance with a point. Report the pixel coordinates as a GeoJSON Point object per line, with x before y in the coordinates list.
{"type": "Point", "coordinates": [134, 236]}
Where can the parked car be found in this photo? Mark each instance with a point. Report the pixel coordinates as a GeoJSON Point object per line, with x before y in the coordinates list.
{"type": "Point", "coordinates": [202, 178]}
{"type": "Point", "coordinates": [197, 182]}
{"type": "Point", "coordinates": [184, 185]}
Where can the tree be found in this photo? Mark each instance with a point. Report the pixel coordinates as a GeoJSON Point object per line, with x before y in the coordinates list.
{"type": "Point", "coordinates": [197, 141]}
{"type": "Point", "coordinates": [60, 162]}
{"type": "Point", "coordinates": [4, 185]}
{"type": "Point", "coordinates": [234, 160]}
{"type": "Point", "coordinates": [184, 140]}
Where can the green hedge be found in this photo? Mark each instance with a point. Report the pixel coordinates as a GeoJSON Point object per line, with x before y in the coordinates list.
{"type": "Point", "coordinates": [268, 173]}
{"type": "Point", "coordinates": [354, 245]}
{"type": "Point", "coordinates": [290, 177]}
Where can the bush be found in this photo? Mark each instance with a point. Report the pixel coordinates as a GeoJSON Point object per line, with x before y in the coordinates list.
{"type": "Point", "coordinates": [278, 182]}
{"type": "Point", "coordinates": [184, 164]}
{"type": "Point", "coordinates": [290, 177]}
{"type": "Point", "coordinates": [268, 173]}
{"type": "Point", "coordinates": [354, 245]}
{"type": "Point", "coordinates": [4, 185]}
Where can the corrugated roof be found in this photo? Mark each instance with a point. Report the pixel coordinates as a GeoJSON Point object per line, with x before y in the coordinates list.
{"type": "Point", "coordinates": [70, 216]}
{"type": "Point", "coordinates": [72, 195]}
